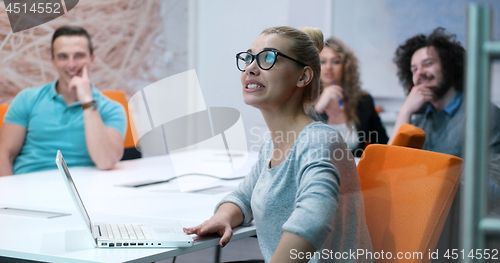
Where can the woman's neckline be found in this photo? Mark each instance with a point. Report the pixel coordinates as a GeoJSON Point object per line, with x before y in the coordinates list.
{"type": "Point", "coordinates": [292, 150]}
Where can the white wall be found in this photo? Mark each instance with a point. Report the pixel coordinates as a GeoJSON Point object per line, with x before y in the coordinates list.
{"type": "Point", "coordinates": [226, 27]}
{"type": "Point", "coordinates": [373, 29]}
{"type": "Point", "coordinates": [173, 38]}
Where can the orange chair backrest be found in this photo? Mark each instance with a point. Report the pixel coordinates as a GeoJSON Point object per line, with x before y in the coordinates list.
{"type": "Point", "coordinates": [3, 110]}
{"type": "Point", "coordinates": [409, 136]}
{"type": "Point", "coordinates": [407, 196]}
{"type": "Point", "coordinates": [120, 97]}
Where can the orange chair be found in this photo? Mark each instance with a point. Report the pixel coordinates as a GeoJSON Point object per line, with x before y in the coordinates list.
{"type": "Point", "coordinates": [3, 110]}
{"type": "Point", "coordinates": [407, 196]}
{"type": "Point", "coordinates": [409, 136]}
{"type": "Point", "coordinates": [130, 151]}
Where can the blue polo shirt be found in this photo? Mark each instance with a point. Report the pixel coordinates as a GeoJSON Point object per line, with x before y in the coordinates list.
{"type": "Point", "coordinates": [53, 125]}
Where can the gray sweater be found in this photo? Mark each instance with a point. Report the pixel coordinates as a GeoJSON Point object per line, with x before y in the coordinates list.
{"type": "Point", "coordinates": [314, 192]}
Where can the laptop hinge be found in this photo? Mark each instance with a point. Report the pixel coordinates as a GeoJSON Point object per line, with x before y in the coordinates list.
{"type": "Point", "coordinates": [100, 233]}
{"type": "Point", "coordinates": [96, 232]}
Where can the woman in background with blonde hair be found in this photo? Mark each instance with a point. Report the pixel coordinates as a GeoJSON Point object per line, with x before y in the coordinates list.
{"type": "Point", "coordinates": [294, 191]}
{"type": "Point", "coordinates": [342, 103]}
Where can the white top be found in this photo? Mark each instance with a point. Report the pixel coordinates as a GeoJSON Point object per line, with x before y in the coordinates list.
{"type": "Point", "coordinates": [349, 134]}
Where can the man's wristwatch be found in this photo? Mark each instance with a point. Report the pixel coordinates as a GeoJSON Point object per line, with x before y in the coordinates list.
{"type": "Point", "coordinates": [91, 104]}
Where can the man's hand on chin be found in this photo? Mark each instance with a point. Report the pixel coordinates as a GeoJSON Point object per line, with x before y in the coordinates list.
{"type": "Point", "coordinates": [81, 85]}
{"type": "Point", "coordinates": [418, 96]}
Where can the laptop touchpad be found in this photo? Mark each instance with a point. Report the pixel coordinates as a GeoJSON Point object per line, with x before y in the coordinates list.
{"type": "Point", "coordinates": [164, 230]}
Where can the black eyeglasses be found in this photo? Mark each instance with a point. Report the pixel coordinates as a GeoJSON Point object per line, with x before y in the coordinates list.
{"type": "Point", "coordinates": [265, 59]}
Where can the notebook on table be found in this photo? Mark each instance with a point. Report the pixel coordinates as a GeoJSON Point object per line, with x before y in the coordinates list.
{"type": "Point", "coordinates": [124, 235]}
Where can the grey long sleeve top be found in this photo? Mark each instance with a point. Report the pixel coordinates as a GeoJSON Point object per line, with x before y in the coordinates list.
{"type": "Point", "coordinates": [314, 192]}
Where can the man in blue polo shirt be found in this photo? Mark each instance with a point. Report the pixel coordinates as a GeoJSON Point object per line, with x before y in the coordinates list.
{"type": "Point", "coordinates": [431, 69]}
{"type": "Point", "coordinates": [69, 114]}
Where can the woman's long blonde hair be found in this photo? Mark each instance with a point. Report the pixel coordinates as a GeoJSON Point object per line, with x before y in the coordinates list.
{"type": "Point", "coordinates": [350, 78]}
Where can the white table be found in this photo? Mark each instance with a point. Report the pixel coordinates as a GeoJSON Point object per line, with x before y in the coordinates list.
{"type": "Point", "coordinates": [63, 239]}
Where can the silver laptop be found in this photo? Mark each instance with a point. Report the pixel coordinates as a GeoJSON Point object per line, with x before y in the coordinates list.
{"type": "Point", "coordinates": [112, 235]}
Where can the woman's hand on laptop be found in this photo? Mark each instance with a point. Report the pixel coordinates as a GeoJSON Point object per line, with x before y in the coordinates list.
{"type": "Point", "coordinates": [216, 224]}
{"type": "Point", "coordinates": [222, 222]}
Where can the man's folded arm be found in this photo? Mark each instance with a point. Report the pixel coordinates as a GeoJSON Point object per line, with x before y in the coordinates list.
{"type": "Point", "coordinates": [11, 141]}
{"type": "Point", "coordinates": [105, 144]}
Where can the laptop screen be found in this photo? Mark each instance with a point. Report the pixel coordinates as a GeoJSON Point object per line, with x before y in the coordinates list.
{"type": "Point", "coordinates": [61, 164]}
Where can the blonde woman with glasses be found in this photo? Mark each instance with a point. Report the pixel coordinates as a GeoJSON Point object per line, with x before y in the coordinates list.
{"type": "Point", "coordinates": [303, 193]}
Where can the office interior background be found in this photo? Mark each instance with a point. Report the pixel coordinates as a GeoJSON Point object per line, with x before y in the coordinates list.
{"type": "Point", "coordinates": [140, 42]}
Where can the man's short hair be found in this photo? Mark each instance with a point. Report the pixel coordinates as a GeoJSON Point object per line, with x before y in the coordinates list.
{"type": "Point", "coordinates": [71, 31]}
{"type": "Point", "coordinates": [451, 54]}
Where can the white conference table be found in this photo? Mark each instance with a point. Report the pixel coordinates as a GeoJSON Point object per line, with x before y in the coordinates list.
{"type": "Point", "coordinates": [63, 239]}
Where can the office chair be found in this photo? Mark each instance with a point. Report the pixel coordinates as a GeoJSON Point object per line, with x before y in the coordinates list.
{"type": "Point", "coordinates": [409, 136]}
{"type": "Point", "coordinates": [3, 110]}
{"type": "Point", "coordinates": [130, 151]}
{"type": "Point", "coordinates": [407, 196]}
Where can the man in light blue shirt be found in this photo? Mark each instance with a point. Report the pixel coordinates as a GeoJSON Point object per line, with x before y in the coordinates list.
{"type": "Point", "coordinates": [69, 114]}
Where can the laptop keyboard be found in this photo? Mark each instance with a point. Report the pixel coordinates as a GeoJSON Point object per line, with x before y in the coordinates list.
{"type": "Point", "coordinates": [128, 231]}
